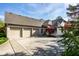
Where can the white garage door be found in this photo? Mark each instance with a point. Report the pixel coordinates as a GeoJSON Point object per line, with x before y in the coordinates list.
{"type": "Point", "coordinates": [15, 32]}
{"type": "Point", "coordinates": [26, 33]}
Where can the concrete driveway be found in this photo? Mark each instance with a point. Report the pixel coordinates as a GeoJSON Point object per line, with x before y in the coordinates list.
{"type": "Point", "coordinates": [41, 46]}
{"type": "Point", "coordinates": [31, 46]}
{"type": "Point", "coordinates": [6, 48]}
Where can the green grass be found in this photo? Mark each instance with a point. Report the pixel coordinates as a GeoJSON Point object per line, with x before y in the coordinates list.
{"type": "Point", "coordinates": [2, 40]}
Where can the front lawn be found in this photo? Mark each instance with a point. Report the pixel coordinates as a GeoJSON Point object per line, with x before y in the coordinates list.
{"type": "Point", "coordinates": [2, 40]}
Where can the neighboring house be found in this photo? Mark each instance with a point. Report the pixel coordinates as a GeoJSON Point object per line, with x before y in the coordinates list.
{"type": "Point", "coordinates": [55, 26]}
{"type": "Point", "coordinates": [58, 23]}
{"type": "Point", "coordinates": [18, 26]}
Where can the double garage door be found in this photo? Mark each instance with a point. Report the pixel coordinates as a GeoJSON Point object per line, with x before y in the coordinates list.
{"type": "Point", "coordinates": [18, 32]}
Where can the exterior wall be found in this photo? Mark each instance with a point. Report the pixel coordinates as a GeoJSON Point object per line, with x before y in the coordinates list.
{"type": "Point", "coordinates": [26, 32]}
{"type": "Point", "coordinates": [59, 33]}
{"type": "Point", "coordinates": [36, 32]}
{"type": "Point", "coordinates": [40, 31]}
{"type": "Point", "coordinates": [33, 32]}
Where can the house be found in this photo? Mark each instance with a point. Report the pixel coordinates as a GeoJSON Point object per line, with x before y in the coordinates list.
{"type": "Point", "coordinates": [18, 26]}
{"type": "Point", "coordinates": [58, 23]}
{"type": "Point", "coordinates": [55, 25]}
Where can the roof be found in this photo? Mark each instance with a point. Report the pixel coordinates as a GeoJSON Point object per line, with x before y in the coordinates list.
{"type": "Point", "coordinates": [55, 23]}
{"type": "Point", "coordinates": [11, 18]}
{"type": "Point", "coordinates": [45, 24]}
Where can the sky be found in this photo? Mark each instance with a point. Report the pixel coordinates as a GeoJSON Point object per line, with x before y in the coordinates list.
{"type": "Point", "coordinates": [35, 10]}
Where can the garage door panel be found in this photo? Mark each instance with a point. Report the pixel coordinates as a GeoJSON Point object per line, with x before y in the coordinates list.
{"type": "Point", "coordinates": [15, 32]}
{"type": "Point", "coordinates": [26, 33]}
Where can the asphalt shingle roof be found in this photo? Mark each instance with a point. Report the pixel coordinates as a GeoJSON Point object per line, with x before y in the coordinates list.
{"type": "Point", "coordinates": [11, 18]}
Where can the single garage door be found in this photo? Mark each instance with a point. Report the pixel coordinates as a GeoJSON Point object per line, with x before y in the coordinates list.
{"type": "Point", "coordinates": [14, 32]}
{"type": "Point", "coordinates": [26, 32]}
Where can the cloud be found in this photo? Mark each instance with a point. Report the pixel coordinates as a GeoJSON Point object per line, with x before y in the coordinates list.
{"type": "Point", "coordinates": [1, 17]}
{"type": "Point", "coordinates": [39, 10]}
{"type": "Point", "coordinates": [65, 18]}
{"type": "Point", "coordinates": [46, 10]}
{"type": "Point", "coordinates": [58, 10]}
{"type": "Point", "coordinates": [52, 14]}
{"type": "Point", "coordinates": [36, 10]}
{"type": "Point", "coordinates": [56, 13]}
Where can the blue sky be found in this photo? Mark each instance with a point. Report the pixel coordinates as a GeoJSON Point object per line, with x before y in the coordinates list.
{"type": "Point", "coordinates": [35, 10]}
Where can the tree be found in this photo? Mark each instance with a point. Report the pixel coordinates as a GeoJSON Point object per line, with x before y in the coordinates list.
{"type": "Point", "coordinates": [72, 11]}
{"type": "Point", "coordinates": [2, 32]}
{"type": "Point", "coordinates": [1, 24]}
{"type": "Point", "coordinates": [71, 8]}
{"type": "Point", "coordinates": [70, 39]}
{"type": "Point", "coordinates": [59, 19]}
{"type": "Point", "coordinates": [2, 29]}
